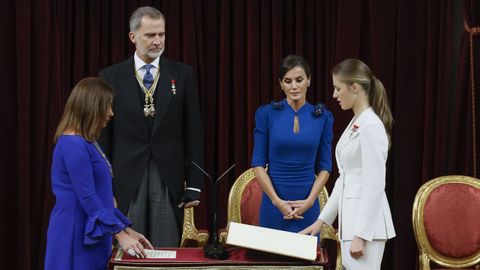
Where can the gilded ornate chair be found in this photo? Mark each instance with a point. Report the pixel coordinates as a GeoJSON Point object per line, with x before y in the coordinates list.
{"type": "Point", "coordinates": [446, 222]}
{"type": "Point", "coordinates": [190, 232]}
{"type": "Point", "coordinates": [244, 202]}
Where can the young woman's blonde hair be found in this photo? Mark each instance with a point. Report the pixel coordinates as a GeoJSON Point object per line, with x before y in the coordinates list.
{"type": "Point", "coordinates": [352, 71]}
{"type": "Point", "coordinates": [86, 109]}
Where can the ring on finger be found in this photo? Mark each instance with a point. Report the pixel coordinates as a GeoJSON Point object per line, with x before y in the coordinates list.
{"type": "Point", "coordinates": [131, 252]}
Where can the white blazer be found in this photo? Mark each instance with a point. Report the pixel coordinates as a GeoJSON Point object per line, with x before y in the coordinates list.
{"type": "Point", "coordinates": [359, 196]}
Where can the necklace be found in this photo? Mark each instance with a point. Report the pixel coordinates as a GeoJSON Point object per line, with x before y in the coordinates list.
{"type": "Point", "coordinates": [104, 157]}
{"type": "Point", "coordinates": [149, 107]}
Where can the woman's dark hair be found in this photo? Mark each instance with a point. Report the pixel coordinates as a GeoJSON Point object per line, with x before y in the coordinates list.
{"type": "Point", "coordinates": [86, 109]}
{"type": "Point", "coordinates": [290, 62]}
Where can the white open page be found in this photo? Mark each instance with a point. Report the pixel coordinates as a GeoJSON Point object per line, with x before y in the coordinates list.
{"type": "Point", "coordinates": [273, 241]}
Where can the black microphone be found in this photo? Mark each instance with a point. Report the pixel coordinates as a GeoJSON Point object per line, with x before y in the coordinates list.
{"type": "Point", "coordinates": [214, 250]}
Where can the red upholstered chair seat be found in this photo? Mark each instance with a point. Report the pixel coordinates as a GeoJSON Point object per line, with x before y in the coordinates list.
{"type": "Point", "coordinates": [452, 220]}
{"type": "Point", "coordinates": [446, 219]}
{"type": "Point", "coordinates": [250, 204]}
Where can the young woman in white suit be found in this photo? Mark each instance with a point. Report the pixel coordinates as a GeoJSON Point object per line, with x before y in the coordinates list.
{"type": "Point", "coordinates": [358, 198]}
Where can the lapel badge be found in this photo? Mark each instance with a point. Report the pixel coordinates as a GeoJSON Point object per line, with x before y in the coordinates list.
{"type": "Point", "coordinates": [174, 90]}
{"type": "Point", "coordinates": [353, 130]}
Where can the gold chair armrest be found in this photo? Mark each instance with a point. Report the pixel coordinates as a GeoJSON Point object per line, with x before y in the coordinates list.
{"type": "Point", "coordinates": [190, 232]}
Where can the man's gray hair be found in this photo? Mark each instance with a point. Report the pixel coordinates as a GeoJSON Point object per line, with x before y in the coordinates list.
{"type": "Point", "coordinates": [139, 13]}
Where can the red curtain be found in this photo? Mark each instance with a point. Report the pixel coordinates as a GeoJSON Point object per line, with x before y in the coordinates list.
{"type": "Point", "coordinates": [419, 49]}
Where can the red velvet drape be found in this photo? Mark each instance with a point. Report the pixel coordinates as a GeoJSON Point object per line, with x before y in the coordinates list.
{"type": "Point", "coordinates": [415, 47]}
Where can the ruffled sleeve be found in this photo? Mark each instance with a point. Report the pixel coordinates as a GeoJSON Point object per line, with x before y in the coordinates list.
{"type": "Point", "coordinates": [102, 220]}
{"type": "Point", "coordinates": [121, 217]}
{"type": "Point", "coordinates": [102, 223]}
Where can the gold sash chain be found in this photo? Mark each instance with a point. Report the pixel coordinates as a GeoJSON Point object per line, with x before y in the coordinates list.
{"type": "Point", "coordinates": [149, 107]}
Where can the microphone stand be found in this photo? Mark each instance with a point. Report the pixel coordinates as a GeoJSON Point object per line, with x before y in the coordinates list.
{"type": "Point", "coordinates": [215, 250]}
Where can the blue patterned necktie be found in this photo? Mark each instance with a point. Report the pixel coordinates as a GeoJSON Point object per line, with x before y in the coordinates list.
{"type": "Point", "coordinates": [148, 77]}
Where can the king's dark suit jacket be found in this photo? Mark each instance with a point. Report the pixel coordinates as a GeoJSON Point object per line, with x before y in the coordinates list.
{"type": "Point", "coordinates": [175, 138]}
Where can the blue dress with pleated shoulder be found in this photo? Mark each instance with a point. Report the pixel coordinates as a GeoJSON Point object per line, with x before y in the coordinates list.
{"type": "Point", "coordinates": [84, 218]}
{"type": "Point", "coordinates": [293, 159]}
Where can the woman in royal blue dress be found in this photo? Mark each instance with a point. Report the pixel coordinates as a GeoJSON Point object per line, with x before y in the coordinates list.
{"type": "Point", "coordinates": [293, 138]}
{"type": "Point", "coordinates": [84, 219]}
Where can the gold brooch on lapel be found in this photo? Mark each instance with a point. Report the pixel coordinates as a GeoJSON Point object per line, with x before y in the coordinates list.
{"type": "Point", "coordinates": [353, 130]}
{"type": "Point", "coordinates": [174, 90]}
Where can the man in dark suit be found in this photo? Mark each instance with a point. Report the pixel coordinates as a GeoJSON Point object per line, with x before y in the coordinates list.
{"type": "Point", "coordinates": [154, 140]}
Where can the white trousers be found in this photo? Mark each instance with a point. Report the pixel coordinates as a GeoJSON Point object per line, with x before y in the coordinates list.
{"type": "Point", "coordinates": [371, 259]}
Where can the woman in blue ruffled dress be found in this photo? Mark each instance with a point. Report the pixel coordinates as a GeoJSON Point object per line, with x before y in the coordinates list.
{"type": "Point", "coordinates": [84, 219]}
{"type": "Point", "coordinates": [293, 138]}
